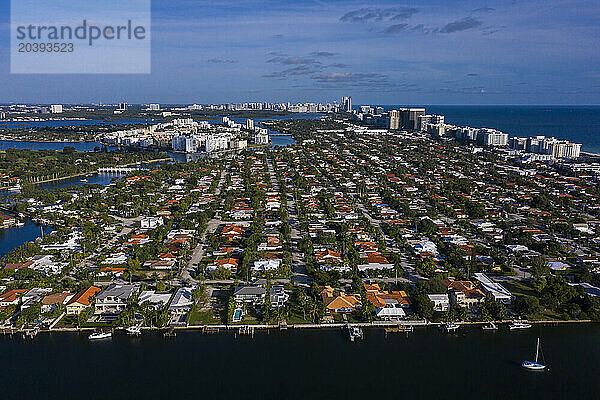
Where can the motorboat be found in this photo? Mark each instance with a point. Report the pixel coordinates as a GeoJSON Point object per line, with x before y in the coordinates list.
{"type": "Point", "coordinates": [355, 333]}
{"type": "Point", "coordinates": [519, 325]}
{"type": "Point", "coordinates": [100, 335]}
{"type": "Point", "coordinates": [490, 327]}
{"type": "Point", "coordinates": [133, 330]}
{"type": "Point", "coordinates": [450, 327]}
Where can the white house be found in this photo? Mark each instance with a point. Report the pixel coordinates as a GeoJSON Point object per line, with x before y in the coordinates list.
{"type": "Point", "coordinates": [441, 302]}
{"type": "Point", "coordinates": [266, 265]}
{"type": "Point", "coordinates": [151, 222]}
{"type": "Point", "coordinates": [498, 292]}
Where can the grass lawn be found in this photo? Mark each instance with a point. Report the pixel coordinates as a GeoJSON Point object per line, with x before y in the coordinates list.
{"type": "Point", "coordinates": [297, 319]}
{"type": "Point", "coordinates": [519, 288]}
{"type": "Point", "coordinates": [203, 318]}
{"type": "Point", "coordinates": [246, 320]}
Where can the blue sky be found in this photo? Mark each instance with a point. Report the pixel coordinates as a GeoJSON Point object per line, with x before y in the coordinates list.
{"type": "Point", "coordinates": [426, 52]}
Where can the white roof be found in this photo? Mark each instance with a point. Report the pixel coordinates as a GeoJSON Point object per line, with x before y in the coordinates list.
{"type": "Point", "coordinates": [489, 286]}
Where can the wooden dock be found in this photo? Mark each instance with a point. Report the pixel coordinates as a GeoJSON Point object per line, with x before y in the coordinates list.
{"type": "Point", "coordinates": [170, 333]}
{"type": "Point", "coordinates": [246, 330]}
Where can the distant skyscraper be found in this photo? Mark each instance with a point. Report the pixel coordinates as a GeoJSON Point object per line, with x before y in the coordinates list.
{"type": "Point", "coordinates": [154, 107]}
{"type": "Point", "coordinates": [413, 117]}
{"type": "Point", "coordinates": [424, 120]}
{"type": "Point", "coordinates": [394, 119]}
{"type": "Point", "coordinates": [56, 108]}
{"type": "Point", "coordinates": [249, 124]}
{"type": "Point", "coordinates": [347, 104]}
{"type": "Point", "coordinates": [122, 106]}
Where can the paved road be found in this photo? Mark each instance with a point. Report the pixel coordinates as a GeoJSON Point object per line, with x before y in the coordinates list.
{"type": "Point", "coordinates": [298, 265]}
{"type": "Point", "coordinates": [211, 227]}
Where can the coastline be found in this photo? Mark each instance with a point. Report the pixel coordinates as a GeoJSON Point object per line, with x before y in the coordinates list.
{"type": "Point", "coordinates": [215, 328]}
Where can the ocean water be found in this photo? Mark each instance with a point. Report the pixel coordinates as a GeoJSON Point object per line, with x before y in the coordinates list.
{"type": "Point", "coordinates": [579, 124]}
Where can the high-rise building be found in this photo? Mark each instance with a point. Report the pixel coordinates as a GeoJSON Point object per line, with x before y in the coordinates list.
{"type": "Point", "coordinates": [424, 120]}
{"type": "Point", "coordinates": [346, 104]}
{"type": "Point", "coordinates": [261, 137]}
{"type": "Point", "coordinates": [249, 124]}
{"type": "Point", "coordinates": [550, 146]}
{"type": "Point", "coordinates": [413, 116]}
{"type": "Point", "coordinates": [394, 119]}
{"type": "Point", "coordinates": [56, 108]}
{"type": "Point", "coordinates": [438, 130]}
{"type": "Point", "coordinates": [492, 137]}
{"type": "Point", "coordinates": [122, 106]}
{"type": "Point", "coordinates": [466, 133]}
{"type": "Point", "coordinates": [2, 115]}
{"type": "Point", "coordinates": [154, 107]}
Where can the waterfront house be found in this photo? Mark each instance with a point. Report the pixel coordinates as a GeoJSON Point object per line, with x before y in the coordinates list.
{"type": "Point", "coordinates": [441, 302]}
{"type": "Point", "coordinates": [11, 297]}
{"type": "Point", "coordinates": [33, 295]}
{"type": "Point", "coordinates": [337, 302]}
{"type": "Point", "coordinates": [114, 298]}
{"type": "Point", "coordinates": [82, 300]}
{"type": "Point", "coordinates": [278, 296]}
{"type": "Point", "coordinates": [51, 301]}
{"type": "Point", "coordinates": [155, 299]}
{"type": "Point", "coordinates": [7, 221]}
{"type": "Point", "coordinates": [182, 301]}
{"type": "Point", "coordinates": [494, 289]}
{"type": "Point", "coordinates": [388, 305]}
{"type": "Point", "coordinates": [253, 294]}
{"type": "Point", "coordinates": [464, 293]}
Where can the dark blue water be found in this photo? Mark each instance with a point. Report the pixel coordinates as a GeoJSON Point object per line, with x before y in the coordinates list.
{"type": "Point", "coordinates": [102, 179]}
{"type": "Point", "coordinates": [580, 124]}
{"type": "Point", "coordinates": [16, 236]}
{"type": "Point", "coordinates": [74, 122]}
{"type": "Point", "coordinates": [309, 364]}
{"type": "Point", "coordinates": [79, 146]}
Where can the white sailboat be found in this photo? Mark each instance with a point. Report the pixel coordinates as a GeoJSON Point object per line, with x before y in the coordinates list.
{"type": "Point", "coordinates": [535, 365]}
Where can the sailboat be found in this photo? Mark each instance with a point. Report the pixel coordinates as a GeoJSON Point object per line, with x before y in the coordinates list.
{"type": "Point", "coordinates": [535, 365]}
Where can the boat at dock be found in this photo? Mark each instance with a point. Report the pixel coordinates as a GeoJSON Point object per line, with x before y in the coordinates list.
{"type": "Point", "coordinates": [535, 365]}
{"type": "Point", "coordinates": [519, 325]}
{"type": "Point", "coordinates": [134, 330]}
{"type": "Point", "coordinates": [31, 333]}
{"type": "Point", "coordinates": [450, 327]}
{"type": "Point", "coordinates": [100, 335]}
{"type": "Point", "coordinates": [170, 333]}
{"type": "Point", "coordinates": [490, 327]}
{"type": "Point", "coordinates": [355, 333]}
